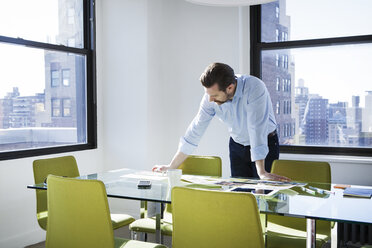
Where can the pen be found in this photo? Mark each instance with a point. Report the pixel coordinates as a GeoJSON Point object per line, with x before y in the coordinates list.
{"type": "Point", "coordinates": [308, 190]}
{"type": "Point", "coordinates": [321, 191]}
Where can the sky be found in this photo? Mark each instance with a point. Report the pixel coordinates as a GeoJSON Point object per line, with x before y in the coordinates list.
{"type": "Point", "coordinates": [333, 72]}
{"type": "Point", "coordinates": [20, 66]}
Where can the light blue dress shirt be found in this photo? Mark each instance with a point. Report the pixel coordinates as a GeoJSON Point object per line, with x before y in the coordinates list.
{"type": "Point", "coordinates": [249, 117]}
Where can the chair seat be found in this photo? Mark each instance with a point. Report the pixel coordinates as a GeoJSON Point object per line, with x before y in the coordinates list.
{"type": "Point", "coordinates": [148, 225]}
{"type": "Point", "coordinates": [193, 165]}
{"type": "Point", "coordinates": [126, 243]}
{"type": "Point", "coordinates": [281, 236]}
{"type": "Point", "coordinates": [285, 231]}
{"type": "Point", "coordinates": [120, 220]}
{"type": "Point", "coordinates": [63, 166]}
{"type": "Point", "coordinates": [42, 218]}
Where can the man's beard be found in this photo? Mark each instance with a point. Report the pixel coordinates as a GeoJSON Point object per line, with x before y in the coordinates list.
{"type": "Point", "coordinates": [228, 98]}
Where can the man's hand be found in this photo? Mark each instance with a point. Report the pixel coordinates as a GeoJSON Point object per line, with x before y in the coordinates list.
{"type": "Point", "coordinates": [270, 176]}
{"type": "Point", "coordinates": [177, 160]}
{"type": "Point", "coordinates": [263, 174]}
{"type": "Point", "coordinates": [160, 168]}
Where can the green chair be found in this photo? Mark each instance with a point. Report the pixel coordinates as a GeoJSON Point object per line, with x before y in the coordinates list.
{"type": "Point", "coordinates": [289, 231]}
{"type": "Point", "coordinates": [62, 166]}
{"type": "Point", "coordinates": [193, 165]}
{"type": "Point", "coordinates": [205, 218]}
{"type": "Point", "coordinates": [79, 216]}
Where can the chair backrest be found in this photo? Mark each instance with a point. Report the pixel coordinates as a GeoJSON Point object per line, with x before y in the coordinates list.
{"type": "Point", "coordinates": [203, 218]}
{"type": "Point", "coordinates": [305, 171]}
{"type": "Point", "coordinates": [202, 165]}
{"type": "Point", "coordinates": [61, 166]}
{"type": "Point", "coordinates": [79, 214]}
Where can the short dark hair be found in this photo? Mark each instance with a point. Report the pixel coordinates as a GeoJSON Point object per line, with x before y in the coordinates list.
{"type": "Point", "coordinates": [219, 73]}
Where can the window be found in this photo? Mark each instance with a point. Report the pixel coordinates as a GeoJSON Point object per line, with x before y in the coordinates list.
{"type": "Point", "coordinates": [277, 84]}
{"type": "Point", "coordinates": [277, 38]}
{"type": "Point", "coordinates": [287, 107]}
{"type": "Point", "coordinates": [276, 11]}
{"type": "Point", "coordinates": [277, 108]}
{"type": "Point", "coordinates": [71, 42]}
{"type": "Point", "coordinates": [333, 99]}
{"type": "Point", "coordinates": [56, 107]}
{"type": "Point", "coordinates": [50, 107]}
{"type": "Point", "coordinates": [66, 77]}
{"type": "Point", "coordinates": [55, 78]}
{"type": "Point", "coordinates": [285, 63]}
{"type": "Point", "coordinates": [71, 16]}
{"type": "Point", "coordinates": [277, 61]}
{"type": "Point", "coordinates": [66, 107]}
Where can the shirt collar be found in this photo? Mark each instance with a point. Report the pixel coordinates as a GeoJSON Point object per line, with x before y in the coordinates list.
{"type": "Point", "coordinates": [238, 91]}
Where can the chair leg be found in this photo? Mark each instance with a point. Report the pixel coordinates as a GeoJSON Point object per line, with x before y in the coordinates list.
{"type": "Point", "coordinates": [133, 235]}
{"type": "Point", "coordinates": [142, 236]}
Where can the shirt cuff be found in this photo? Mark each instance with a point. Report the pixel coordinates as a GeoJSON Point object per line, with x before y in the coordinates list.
{"type": "Point", "coordinates": [186, 147]}
{"type": "Point", "coordinates": [259, 152]}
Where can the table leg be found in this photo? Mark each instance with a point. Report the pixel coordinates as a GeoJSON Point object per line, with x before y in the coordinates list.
{"type": "Point", "coordinates": [311, 233]}
{"type": "Point", "coordinates": [334, 236]}
{"type": "Point", "coordinates": [158, 216]}
{"type": "Point", "coordinates": [143, 211]}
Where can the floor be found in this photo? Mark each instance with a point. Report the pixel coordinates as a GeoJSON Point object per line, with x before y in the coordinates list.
{"type": "Point", "coordinates": [121, 232]}
{"type": "Point", "coordinates": [124, 233]}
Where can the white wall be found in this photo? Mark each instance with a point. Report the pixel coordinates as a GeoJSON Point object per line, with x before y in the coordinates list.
{"type": "Point", "coordinates": [151, 70]}
{"type": "Point", "coordinates": [18, 224]}
{"type": "Point", "coordinates": [149, 59]}
{"type": "Point", "coordinates": [154, 62]}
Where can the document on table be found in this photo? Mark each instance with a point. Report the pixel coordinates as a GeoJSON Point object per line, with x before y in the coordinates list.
{"type": "Point", "coordinates": [237, 182]}
{"type": "Point", "coordinates": [259, 184]}
{"type": "Point", "coordinates": [200, 179]}
{"type": "Point", "coordinates": [358, 192]}
{"type": "Point", "coordinates": [146, 175]}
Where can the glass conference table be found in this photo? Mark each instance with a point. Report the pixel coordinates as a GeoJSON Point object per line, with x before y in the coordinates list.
{"type": "Point", "coordinates": [313, 201]}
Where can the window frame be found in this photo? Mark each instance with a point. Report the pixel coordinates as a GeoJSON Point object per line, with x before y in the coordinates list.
{"type": "Point", "coordinates": [89, 51]}
{"type": "Point", "coordinates": [257, 46]}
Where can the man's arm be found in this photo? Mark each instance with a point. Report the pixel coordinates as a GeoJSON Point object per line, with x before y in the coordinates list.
{"type": "Point", "coordinates": [192, 136]}
{"type": "Point", "coordinates": [177, 160]}
{"type": "Point", "coordinates": [258, 117]}
{"type": "Point", "coordinates": [263, 174]}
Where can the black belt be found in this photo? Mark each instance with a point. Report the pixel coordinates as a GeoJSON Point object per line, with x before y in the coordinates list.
{"type": "Point", "coordinates": [273, 133]}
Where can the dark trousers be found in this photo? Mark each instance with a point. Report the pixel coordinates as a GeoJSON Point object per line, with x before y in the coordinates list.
{"type": "Point", "coordinates": [240, 158]}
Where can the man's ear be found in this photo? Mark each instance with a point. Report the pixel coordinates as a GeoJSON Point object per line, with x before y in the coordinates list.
{"type": "Point", "coordinates": [230, 87]}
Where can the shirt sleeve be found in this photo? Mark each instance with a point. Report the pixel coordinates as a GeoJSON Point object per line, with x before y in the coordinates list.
{"type": "Point", "coordinates": [197, 127]}
{"type": "Point", "coordinates": [258, 110]}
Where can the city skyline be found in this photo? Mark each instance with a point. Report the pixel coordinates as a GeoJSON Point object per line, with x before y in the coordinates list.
{"type": "Point", "coordinates": [321, 112]}
{"type": "Point", "coordinates": [332, 75]}
{"type": "Point", "coordinates": [302, 25]}
{"type": "Point", "coordinates": [39, 25]}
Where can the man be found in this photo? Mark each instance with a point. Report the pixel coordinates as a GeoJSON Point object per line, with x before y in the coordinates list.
{"type": "Point", "coordinates": [244, 105]}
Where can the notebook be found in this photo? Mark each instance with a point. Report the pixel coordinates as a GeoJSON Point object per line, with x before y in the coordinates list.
{"type": "Point", "coordinates": [358, 192]}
